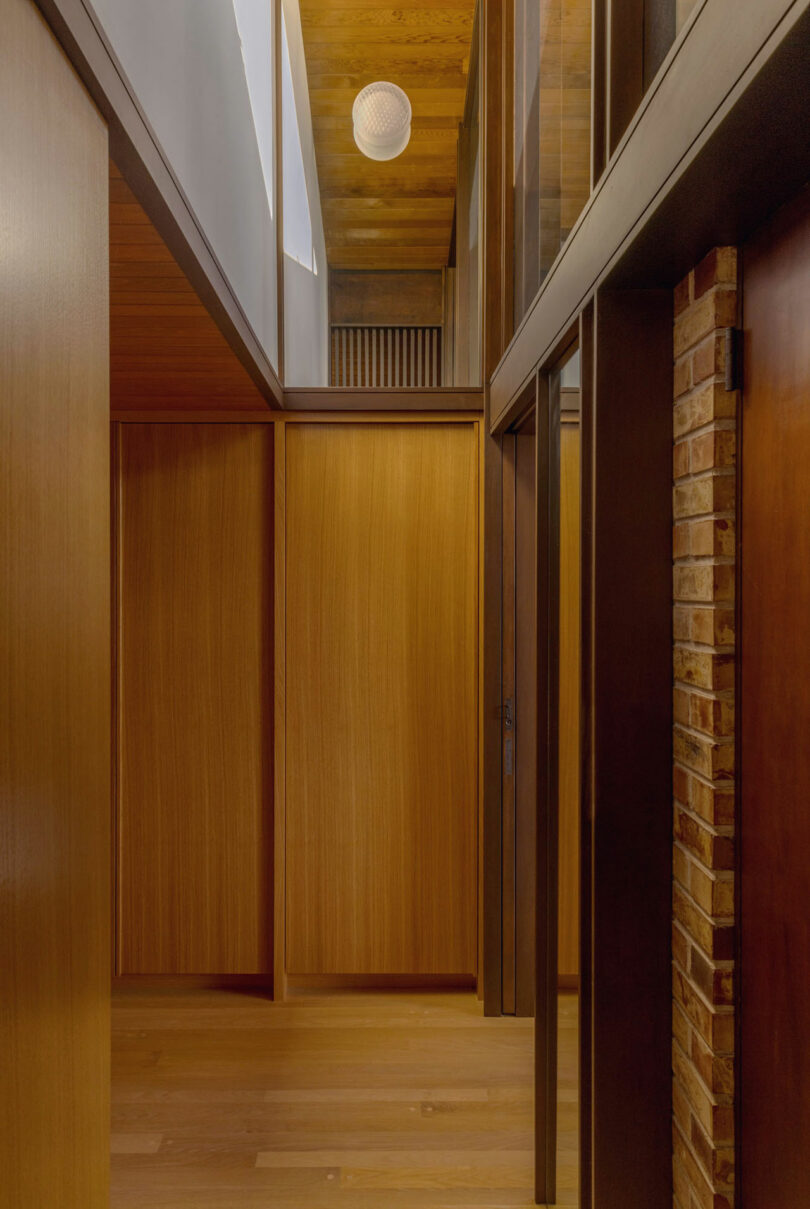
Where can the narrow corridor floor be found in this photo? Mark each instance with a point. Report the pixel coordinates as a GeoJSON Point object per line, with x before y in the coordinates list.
{"type": "Point", "coordinates": [223, 1100]}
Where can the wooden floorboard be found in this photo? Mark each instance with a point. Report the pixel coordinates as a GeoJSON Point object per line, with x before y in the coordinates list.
{"type": "Point", "coordinates": [223, 1100]}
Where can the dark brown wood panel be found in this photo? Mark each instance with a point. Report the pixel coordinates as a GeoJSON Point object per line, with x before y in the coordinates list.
{"type": "Point", "coordinates": [195, 726]}
{"type": "Point", "coordinates": [525, 609]}
{"type": "Point", "coordinates": [166, 352]}
{"type": "Point", "coordinates": [55, 627]}
{"type": "Point", "coordinates": [627, 777]}
{"type": "Point", "coordinates": [775, 717]}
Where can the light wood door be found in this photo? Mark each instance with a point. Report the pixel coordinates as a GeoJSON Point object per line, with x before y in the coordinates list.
{"type": "Point", "coordinates": [381, 706]}
{"type": "Point", "coordinates": [195, 700]}
{"type": "Point", "coordinates": [775, 717]}
{"type": "Point", "coordinates": [54, 628]}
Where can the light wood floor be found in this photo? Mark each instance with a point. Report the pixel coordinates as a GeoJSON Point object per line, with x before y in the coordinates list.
{"type": "Point", "coordinates": [222, 1100]}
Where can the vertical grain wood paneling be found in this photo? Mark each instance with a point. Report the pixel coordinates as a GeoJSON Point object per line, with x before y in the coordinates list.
{"type": "Point", "coordinates": [628, 777]}
{"type": "Point", "coordinates": [54, 628]}
{"type": "Point", "coordinates": [195, 661]}
{"type": "Point", "coordinates": [166, 351]}
{"type": "Point", "coordinates": [568, 782]}
{"type": "Point", "coordinates": [381, 701]}
{"type": "Point", "coordinates": [775, 715]}
{"type": "Point", "coordinates": [508, 664]}
{"type": "Point", "coordinates": [279, 710]}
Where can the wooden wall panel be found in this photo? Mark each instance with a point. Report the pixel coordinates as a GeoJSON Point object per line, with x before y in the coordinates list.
{"type": "Point", "coordinates": [381, 705]}
{"type": "Point", "coordinates": [407, 298]}
{"type": "Point", "coordinates": [195, 699]}
{"type": "Point", "coordinates": [54, 629]}
{"type": "Point", "coordinates": [569, 757]}
{"type": "Point", "coordinates": [774, 697]}
{"type": "Point", "coordinates": [166, 352]}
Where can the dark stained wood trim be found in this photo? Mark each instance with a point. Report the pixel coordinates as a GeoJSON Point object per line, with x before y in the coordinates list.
{"type": "Point", "coordinates": [279, 713]}
{"type": "Point", "coordinates": [716, 144]}
{"type": "Point", "coordinates": [587, 791]}
{"type": "Point", "coordinates": [440, 398]}
{"type": "Point", "coordinates": [491, 706]}
{"type": "Point", "coordinates": [139, 157]}
{"type": "Point", "coordinates": [115, 686]}
{"type": "Point", "coordinates": [508, 693]}
{"type": "Point", "coordinates": [625, 66]}
{"type": "Point", "coordinates": [546, 972]}
{"type": "Point", "coordinates": [627, 676]}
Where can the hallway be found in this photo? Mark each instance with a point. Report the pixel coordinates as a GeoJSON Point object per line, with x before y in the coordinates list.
{"type": "Point", "coordinates": [222, 1100]}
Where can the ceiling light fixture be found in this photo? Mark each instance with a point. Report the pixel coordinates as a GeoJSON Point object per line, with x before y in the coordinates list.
{"type": "Point", "coordinates": [382, 120]}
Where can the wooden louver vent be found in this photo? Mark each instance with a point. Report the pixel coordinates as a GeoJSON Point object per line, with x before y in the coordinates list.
{"type": "Point", "coordinates": [386, 356]}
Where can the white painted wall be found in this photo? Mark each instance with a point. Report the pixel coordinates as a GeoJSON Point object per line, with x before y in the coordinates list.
{"type": "Point", "coordinates": [210, 107]}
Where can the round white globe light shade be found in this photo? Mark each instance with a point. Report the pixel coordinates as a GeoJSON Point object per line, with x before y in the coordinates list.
{"type": "Point", "coordinates": [382, 120]}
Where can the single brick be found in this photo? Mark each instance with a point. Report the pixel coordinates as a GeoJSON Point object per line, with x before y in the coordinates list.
{"type": "Point", "coordinates": [712, 715]}
{"type": "Point", "coordinates": [709, 358]}
{"type": "Point", "coordinates": [718, 268]}
{"type": "Point", "coordinates": [713, 803]}
{"type": "Point", "coordinates": [682, 376]}
{"type": "Point", "coordinates": [717, 308]}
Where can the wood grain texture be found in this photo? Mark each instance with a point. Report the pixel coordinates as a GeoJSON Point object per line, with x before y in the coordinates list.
{"type": "Point", "coordinates": [54, 622]}
{"type": "Point", "coordinates": [399, 214]}
{"type": "Point", "coordinates": [195, 666]}
{"type": "Point", "coordinates": [351, 1100]}
{"type": "Point", "coordinates": [410, 298]}
{"type": "Point", "coordinates": [774, 831]}
{"type": "Point", "coordinates": [381, 703]}
{"type": "Point", "coordinates": [569, 757]}
{"type": "Point", "coordinates": [166, 351]}
{"type": "Point", "coordinates": [525, 608]}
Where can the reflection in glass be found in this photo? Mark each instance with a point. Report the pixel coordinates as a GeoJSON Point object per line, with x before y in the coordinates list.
{"type": "Point", "coordinates": [568, 941]}
{"type": "Point", "coordinates": [552, 152]}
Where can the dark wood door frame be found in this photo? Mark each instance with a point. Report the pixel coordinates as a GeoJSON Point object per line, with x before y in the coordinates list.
{"type": "Point", "coordinates": [548, 624]}
{"type": "Point", "coordinates": [626, 1012]}
{"type": "Point", "coordinates": [518, 722]}
{"type": "Point", "coordinates": [626, 751]}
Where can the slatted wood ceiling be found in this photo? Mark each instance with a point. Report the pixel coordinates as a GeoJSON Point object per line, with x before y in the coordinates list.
{"type": "Point", "coordinates": [166, 352]}
{"type": "Point", "coordinates": [397, 214]}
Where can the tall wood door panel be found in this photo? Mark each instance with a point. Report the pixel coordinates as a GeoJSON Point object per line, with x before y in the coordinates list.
{"type": "Point", "coordinates": [775, 718]}
{"type": "Point", "coordinates": [195, 701]}
{"type": "Point", "coordinates": [54, 628]}
{"type": "Point", "coordinates": [381, 706]}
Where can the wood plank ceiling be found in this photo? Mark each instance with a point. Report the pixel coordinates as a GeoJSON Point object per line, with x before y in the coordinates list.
{"type": "Point", "coordinates": [165, 349]}
{"type": "Point", "coordinates": [399, 214]}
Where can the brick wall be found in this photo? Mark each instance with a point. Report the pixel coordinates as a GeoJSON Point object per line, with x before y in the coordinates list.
{"type": "Point", "coordinates": [703, 740]}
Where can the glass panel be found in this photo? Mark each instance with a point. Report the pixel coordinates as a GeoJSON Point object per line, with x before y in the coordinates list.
{"type": "Point", "coordinates": [568, 1082]}
{"type": "Point", "coordinates": [306, 307]}
{"type": "Point", "coordinates": [468, 243]}
{"type": "Point", "coordinates": [202, 71]}
{"type": "Point", "coordinates": [552, 134]}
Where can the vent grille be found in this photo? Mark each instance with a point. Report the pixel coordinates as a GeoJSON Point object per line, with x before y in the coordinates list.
{"type": "Point", "coordinates": [386, 356]}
